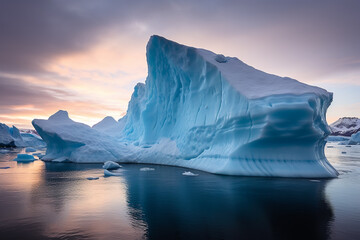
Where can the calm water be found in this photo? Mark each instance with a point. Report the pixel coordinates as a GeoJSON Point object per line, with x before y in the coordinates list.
{"type": "Point", "coordinates": [56, 201]}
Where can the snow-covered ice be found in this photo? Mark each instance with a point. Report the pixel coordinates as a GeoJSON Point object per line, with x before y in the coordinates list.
{"type": "Point", "coordinates": [345, 126]}
{"type": "Point", "coordinates": [24, 158]}
{"type": "Point", "coordinates": [187, 173]}
{"type": "Point", "coordinates": [110, 165]}
{"type": "Point", "coordinates": [197, 110]}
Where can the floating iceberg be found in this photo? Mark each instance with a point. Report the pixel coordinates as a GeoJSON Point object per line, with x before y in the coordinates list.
{"type": "Point", "coordinates": [110, 165]}
{"type": "Point", "coordinates": [24, 158]}
{"type": "Point", "coordinates": [12, 137]}
{"type": "Point", "coordinates": [6, 140]}
{"type": "Point", "coordinates": [186, 173]}
{"type": "Point", "coordinates": [355, 139]}
{"type": "Point", "coordinates": [209, 112]}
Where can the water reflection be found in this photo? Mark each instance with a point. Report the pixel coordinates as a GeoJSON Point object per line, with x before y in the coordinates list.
{"type": "Point", "coordinates": [56, 201]}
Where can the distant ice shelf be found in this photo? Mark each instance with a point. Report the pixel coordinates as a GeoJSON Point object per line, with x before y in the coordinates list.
{"type": "Point", "coordinates": [205, 111]}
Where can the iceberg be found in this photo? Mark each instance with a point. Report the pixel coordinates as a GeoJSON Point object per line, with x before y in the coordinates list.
{"type": "Point", "coordinates": [24, 158]}
{"type": "Point", "coordinates": [6, 140]}
{"type": "Point", "coordinates": [12, 137]}
{"type": "Point", "coordinates": [110, 165]}
{"type": "Point", "coordinates": [205, 111]}
{"type": "Point", "coordinates": [187, 173]}
{"type": "Point", "coordinates": [355, 139]}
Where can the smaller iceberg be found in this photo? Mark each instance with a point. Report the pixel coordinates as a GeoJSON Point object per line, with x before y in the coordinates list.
{"type": "Point", "coordinates": [24, 158]}
{"type": "Point", "coordinates": [4, 167]}
{"type": "Point", "coordinates": [187, 173]}
{"type": "Point", "coordinates": [110, 165]}
{"type": "Point", "coordinates": [107, 173]}
{"type": "Point", "coordinates": [355, 139]}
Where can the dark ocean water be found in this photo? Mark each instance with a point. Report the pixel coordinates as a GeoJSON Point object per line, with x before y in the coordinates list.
{"type": "Point", "coordinates": [56, 201]}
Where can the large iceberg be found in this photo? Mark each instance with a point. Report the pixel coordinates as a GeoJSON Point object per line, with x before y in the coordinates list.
{"type": "Point", "coordinates": [209, 112]}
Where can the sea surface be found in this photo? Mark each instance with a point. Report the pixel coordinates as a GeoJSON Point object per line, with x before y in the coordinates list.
{"type": "Point", "coordinates": [42, 200]}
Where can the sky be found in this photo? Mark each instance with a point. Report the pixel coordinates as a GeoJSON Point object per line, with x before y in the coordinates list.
{"type": "Point", "coordinates": [86, 56]}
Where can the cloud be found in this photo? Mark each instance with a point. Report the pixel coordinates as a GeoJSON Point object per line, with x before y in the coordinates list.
{"type": "Point", "coordinates": [85, 55]}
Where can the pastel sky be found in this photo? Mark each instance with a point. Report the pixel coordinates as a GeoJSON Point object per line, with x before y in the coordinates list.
{"type": "Point", "coordinates": [85, 56]}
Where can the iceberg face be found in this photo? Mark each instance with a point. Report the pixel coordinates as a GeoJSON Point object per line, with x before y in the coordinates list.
{"type": "Point", "coordinates": [209, 112]}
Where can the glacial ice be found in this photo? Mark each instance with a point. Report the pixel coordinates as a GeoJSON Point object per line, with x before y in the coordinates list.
{"type": "Point", "coordinates": [197, 110]}
{"type": "Point", "coordinates": [110, 165]}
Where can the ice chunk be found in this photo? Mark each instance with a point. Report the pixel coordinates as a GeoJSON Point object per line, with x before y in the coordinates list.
{"type": "Point", "coordinates": [92, 178]}
{"type": "Point", "coordinates": [110, 165]}
{"type": "Point", "coordinates": [30, 149]}
{"type": "Point", "coordinates": [107, 173]}
{"type": "Point", "coordinates": [4, 167]}
{"type": "Point", "coordinates": [145, 169]}
{"type": "Point", "coordinates": [24, 158]}
{"type": "Point", "coordinates": [220, 58]}
{"type": "Point", "coordinates": [196, 112]}
{"type": "Point", "coordinates": [186, 173]}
